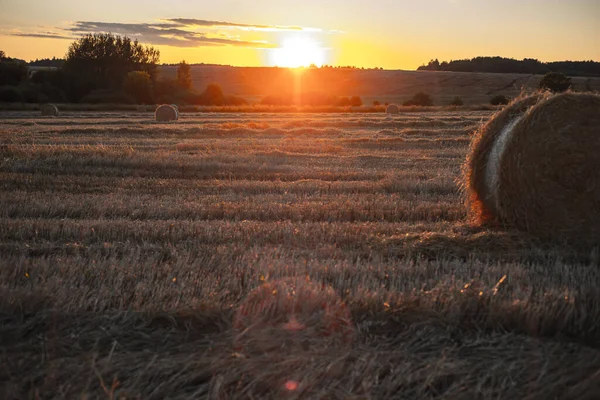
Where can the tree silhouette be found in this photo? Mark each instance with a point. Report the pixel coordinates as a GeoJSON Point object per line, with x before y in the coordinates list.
{"type": "Point", "coordinates": [555, 82]}
{"type": "Point", "coordinates": [102, 61]}
{"type": "Point", "coordinates": [184, 75]}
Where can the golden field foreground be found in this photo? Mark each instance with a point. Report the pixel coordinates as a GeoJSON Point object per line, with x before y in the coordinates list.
{"type": "Point", "coordinates": [137, 260]}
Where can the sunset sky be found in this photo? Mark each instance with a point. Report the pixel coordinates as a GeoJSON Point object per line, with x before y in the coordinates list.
{"type": "Point", "coordinates": [394, 34]}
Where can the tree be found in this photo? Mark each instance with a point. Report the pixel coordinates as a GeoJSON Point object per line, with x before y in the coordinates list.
{"type": "Point", "coordinates": [138, 85]}
{"type": "Point", "coordinates": [102, 61]}
{"type": "Point", "coordinates": [555, 82]}
{"type": "Point", "coordinates": [213, 95]}
{"type": "Point", "coordinates": [2, 54]}
{"type": "Point", "coordinates": [12, 72]}
{"type": "Point", "coordinates": [356, 101]}
{"type": "Point", "coordinates": [184, 76]}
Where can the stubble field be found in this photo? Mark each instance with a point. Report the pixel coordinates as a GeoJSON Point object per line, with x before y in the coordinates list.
{"type": "Point", "coordinates": [130, 251]}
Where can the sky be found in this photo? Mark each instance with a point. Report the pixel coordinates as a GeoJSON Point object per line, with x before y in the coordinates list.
{"type": "Point", "coordinates": [393, 34]}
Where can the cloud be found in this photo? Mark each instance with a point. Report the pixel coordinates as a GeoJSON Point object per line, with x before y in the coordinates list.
{"type": "Point", "coordinates": [190, 22]}
{"type": "Point", "coordinates": [42, 35]}
{"type": "Point", "coordinates": [177, 32]}
{"type": "Point", "coordinates": [171, 34]}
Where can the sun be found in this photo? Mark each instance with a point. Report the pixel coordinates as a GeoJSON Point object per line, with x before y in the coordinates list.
{"type": "Point", "coordinates": [298, 51]}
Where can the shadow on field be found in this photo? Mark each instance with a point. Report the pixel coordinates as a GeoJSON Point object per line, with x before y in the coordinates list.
{"type": "Point", "coordinates": [402, 350]}
{"type": "Point", "coordinates": [471, 242]}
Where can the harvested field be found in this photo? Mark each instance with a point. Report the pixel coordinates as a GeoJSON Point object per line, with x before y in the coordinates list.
{"type": "Point", "coordinates": [129, 247]}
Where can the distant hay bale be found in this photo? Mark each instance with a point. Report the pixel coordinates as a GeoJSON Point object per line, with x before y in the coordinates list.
{"type": "Point", "coordinates": [392, 109]}
{"type": "Point", "coordinates": [166, 113]}
{"type": "Point", "coordinates": [176, 107]}
{"type": "Point", "coordinates": [535, 166]}
{"type": "Point", "coordinates": [141, 108]}
{"type": "Point", "coordinates": [49, 110]}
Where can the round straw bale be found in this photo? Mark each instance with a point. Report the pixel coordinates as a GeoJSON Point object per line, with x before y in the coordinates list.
{"type": "Point", "coordinates": [176, 107]}
{"type": "Point", "coordinates": [392, 109]}
{"type": "Point", "coordinates": [166, 113]}
{"type": "Point", "coordinates": [535, 166]}
{"type": "Point", "coordinates": [49, 110]}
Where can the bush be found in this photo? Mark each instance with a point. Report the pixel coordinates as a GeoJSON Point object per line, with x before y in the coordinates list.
{"type": "Point", "coordinates": [457, 101]}
{"type": "Point", "coordinates": [213, 95]}
{"type": "Point", "coordinates": [556, 82]}
{"type": "Point", "coordinates": [419, 99]}
{"type": "Point", "coordinates": [376, 103]}
{"type": "Point", "coordinates": [11, 94]}
{"type": "Point", "coordinates": [499, 100]}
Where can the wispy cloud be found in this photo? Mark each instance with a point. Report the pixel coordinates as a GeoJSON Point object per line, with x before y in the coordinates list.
{"type": "Point", "coordinates": [171, 34]}
{"type": "Point", "coordinates": [177, 32]}
{"type": "Point", "coordinates": [42, 35]}
{"type": "Point", "coordinates": [191, 22]}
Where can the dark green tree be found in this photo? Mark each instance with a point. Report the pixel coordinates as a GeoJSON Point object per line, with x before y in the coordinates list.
{"type": "Point", "coordinates": [555, 82]}
{"type": "Point", "coordinates": [102, 61]}
{"type": "Point", "coordinates": [184, 75]}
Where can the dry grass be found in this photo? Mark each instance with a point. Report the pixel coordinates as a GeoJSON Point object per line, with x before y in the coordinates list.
{"type": "Point", "coordinates": [129, 248]}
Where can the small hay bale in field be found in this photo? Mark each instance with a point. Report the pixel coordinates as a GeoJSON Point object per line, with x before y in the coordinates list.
{"type": "Point", "coordinates": [166, 113]}
{"type": "Point", "coordinates": [141, 108]}
{"type": "Point", "coordinates": [535, 166]}
{"type": "Point", "coordinates": [392, 109]}
{"type": "Point", "coordinates": [176, 107]}
{"type": "Point", "coordinates": [49, 110]}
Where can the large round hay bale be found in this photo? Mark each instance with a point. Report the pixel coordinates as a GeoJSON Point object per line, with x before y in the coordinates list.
{"type": "Point", "coordinates": [49, 110]}
{"type": "Point", "coordinates": [392, 109]}
{"type": "Point", "coordinates": [166, 113]}
{"type": "Point", "coordinates": [535, 166]}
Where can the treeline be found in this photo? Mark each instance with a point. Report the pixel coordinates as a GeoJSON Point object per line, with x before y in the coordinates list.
{"type": "Point", "coordinates": [510, 65]}
{"type": "Point", "coordinates": [103, 68]}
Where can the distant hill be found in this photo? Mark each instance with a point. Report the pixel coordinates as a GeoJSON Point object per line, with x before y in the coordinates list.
{"type": "Point", "coordinates": [254, 83]}
{"type": "Point", "coordinates": [510, 65]}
